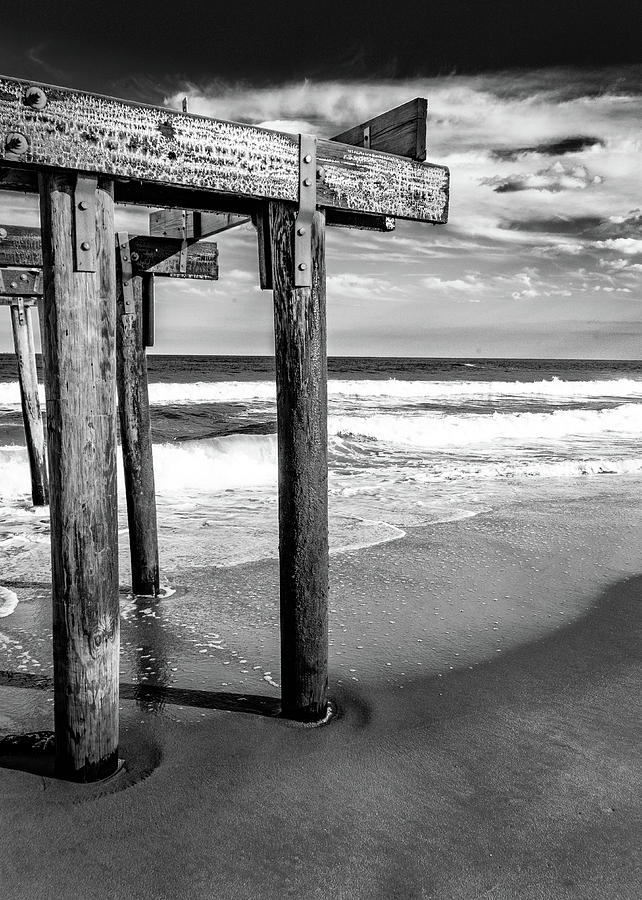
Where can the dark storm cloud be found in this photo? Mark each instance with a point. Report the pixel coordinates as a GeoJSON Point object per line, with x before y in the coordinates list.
{"type": "Point", "coordinates": [549, 148]}
{"type": "Point", "coordinates": [554, 179]}
{"type": "Point", "coordinates": [97, 45]}
{"type": "Point", "coordinates": [577, 225]}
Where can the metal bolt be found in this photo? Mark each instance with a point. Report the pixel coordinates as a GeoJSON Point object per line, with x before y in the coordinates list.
{"type": "Point", "coordinates": [134, 257]}
{"type": "Point", "coordinates": [85, 245]}
{"type": "Point", "coordinates": [300, 231]}
{"type": "Point", "coordinates": [16, 144]}
{"type": "Point", "coordinates": [302, 267]}
{"type": "Point", "coordinates": [83, 205]}
{"type": "Point", "coordinates": [125, 259]}
{"type": "Point", "coordinates": [320, 172]}
{"type": "Point", "coordinates": [14, 284]}
{"type": "Point", "coordinates": [3, 233]}
{"type": "Point", "coordinates": [307, 158]}
{"type": "Point", "coordinates": [35, 97]}
{"type": "Point", "coordinates": [24, 277]}
{"type": "Point", "coordinates": [307, 182]}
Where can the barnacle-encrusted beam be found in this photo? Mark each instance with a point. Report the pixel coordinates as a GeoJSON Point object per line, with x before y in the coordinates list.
{"type": "Point", "coordinates": [162, 150]}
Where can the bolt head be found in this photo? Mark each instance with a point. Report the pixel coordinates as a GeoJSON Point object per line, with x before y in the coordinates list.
{"type": "Point", "coordinates": [134, 257]}
{"type": "Point", "coordinates": [300, 231]}
{"type": "Point", "coordinates": [16, 144]}
{"type": "Point", "coordinates": [302, 267]}
{"type": "Point", "coordinates": [24, 277]}
{"type": "Point", "coordinates": [85, 245]}
{"type": "Point", "coordinates": [35, 98]}
{"type": "Point", "coordinates": [14, 284]}
{"type": "Point", "coordinates": [307, 158]}
{"type": "Point", "coordinates": [3, 233]}
{"type": "Point", "coordinates": [320, 172]}
{"type": "Point", "coordinates": [83, 205]}
{"type": "Point", "coordinates": [307, 182]}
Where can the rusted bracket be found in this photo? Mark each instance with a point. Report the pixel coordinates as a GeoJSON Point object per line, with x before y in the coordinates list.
{"type": "Point", "coordinates": [85, 223]}
{"type": "Point", "coordinates": [126, 271]}
{"type": "Point", "coordinates": [19, 305]}
{"type": "Point", "coordinates": [20, 282]}
{"type": "Point", "coordinates": [307, 206]}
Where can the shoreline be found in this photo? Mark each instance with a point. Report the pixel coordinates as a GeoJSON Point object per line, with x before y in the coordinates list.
{"type": "Point", "coordinates": [516, 775]}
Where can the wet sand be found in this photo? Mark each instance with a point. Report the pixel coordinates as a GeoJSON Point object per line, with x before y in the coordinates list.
{"type": "Point", "coordinates": [486, 745]}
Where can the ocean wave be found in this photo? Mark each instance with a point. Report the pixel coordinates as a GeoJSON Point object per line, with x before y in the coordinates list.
{"type": "Point", "coordinates": [161, 394]}
{"type": "Point", "coordinates": [432, 430]}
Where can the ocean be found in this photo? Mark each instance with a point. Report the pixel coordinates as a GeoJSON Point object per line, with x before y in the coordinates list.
{"type": "Point", "coordinates": [412, 442]}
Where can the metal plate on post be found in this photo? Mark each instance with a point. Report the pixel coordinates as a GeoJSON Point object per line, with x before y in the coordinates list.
{"type": "Point", "coordinates": [307, 206]}
{"type": "Point", "coordinates": [85, 223]}
{"type": "Point", "coordinates": [126, 272]}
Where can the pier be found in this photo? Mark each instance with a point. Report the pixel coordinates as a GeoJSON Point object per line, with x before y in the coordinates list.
{"type": "Point", "coordinates": [83, 153]}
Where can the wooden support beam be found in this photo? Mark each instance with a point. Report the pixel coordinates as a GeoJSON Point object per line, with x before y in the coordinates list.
{"type": "Point", "coordinates": [79, 356]}
{"type": "Point", "coordinates": [24, 344]}
{"type": "Point", "coordinates": [135, 427]}
{"type": "Point", "coordinates": [191, 225]}
{"type": "Point", "coordinates": [21, 246]}
{"type": "Point", "coordinates": [155, 146]}
{"type": "Point", "coordinates": [301, 383]}
{"type": "Point", "coordinates": [262, 225]}
{"type": "Point", "coordinates": [163, 256]}
{"type": "Point", "coordinates": [401, 131]}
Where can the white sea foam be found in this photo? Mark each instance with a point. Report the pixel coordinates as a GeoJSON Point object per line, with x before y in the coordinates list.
{"type": "Point", "coordinates": [248, 391]}
{"type": "Point", "coordinates": [161, 394]}
{"type": "Point", "coordinates": [8, 601]}
{"type": "Point", "coordinates": [432, 430]}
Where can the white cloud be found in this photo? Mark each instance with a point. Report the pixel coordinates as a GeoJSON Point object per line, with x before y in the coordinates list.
{"type": "Point", "coordinates": [628, 246]}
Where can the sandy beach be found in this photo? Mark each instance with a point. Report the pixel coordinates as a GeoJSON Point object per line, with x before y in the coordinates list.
{"type": "Point", "coordinates": [486, 679]}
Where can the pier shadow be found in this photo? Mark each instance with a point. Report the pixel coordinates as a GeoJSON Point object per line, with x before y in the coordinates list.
{"type": "Point", "coordinates": [33, 752]}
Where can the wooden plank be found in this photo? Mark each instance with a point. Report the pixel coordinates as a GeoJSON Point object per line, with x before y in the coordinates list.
{"type": "Point", "coordinates": [162, 256]}
{"type": "Point", "coordinates": [401, 130]}
{"type": "Point", "coordinates": [21, 246]}
{"type": "Point", "coordinates": [79, 363]}
{"type": "Point", "coordinates": [301, 390]}
{"type": "Point", "coordinates": [157, 146]}
{"type": "Point", "coordinates": [192, 224]}
{"type": "Point", "coordinates": [24, 344]}
{"type": "Point", "coordinates": [136, 436]}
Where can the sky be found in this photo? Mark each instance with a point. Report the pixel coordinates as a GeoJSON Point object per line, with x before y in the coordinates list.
{"type": "Point", "coordinates": [536, 109]}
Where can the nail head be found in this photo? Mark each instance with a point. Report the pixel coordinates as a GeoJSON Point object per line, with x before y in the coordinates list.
{"type": "Point", "coordinates": [84, 245]}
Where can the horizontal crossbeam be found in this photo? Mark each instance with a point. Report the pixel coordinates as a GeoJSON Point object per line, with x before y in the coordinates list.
{"type": "Point", "coordinates": [401, 131]}
{"type": "Point", "coordinates": [163, 150]}
{"type": "Point", "coordinates": [21, 246]}
{"type": "Point", "coordinates": [191, 225]}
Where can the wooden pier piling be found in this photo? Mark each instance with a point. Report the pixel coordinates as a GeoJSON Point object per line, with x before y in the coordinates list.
{"type": "Point", "coordinates": [24, 345]}
{"type": "Point", "coordinates": [135, 428]}
{"type": "Point", "coordinates": [79, 355]}
{"type": "Point", "coordinates": [301, 384]}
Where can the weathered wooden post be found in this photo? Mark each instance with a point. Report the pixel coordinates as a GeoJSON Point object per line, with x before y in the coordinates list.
{"type": "Point", "coordinates": [24, 345]}
{"type": "Point", "coordinates": [222, 169]}
{"type": "Point", "coordinates": [298, 272]}
{"type": "Point", "coordinates": [79, 356]}
{"type": "Point", "coordinates": [135, 428]}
